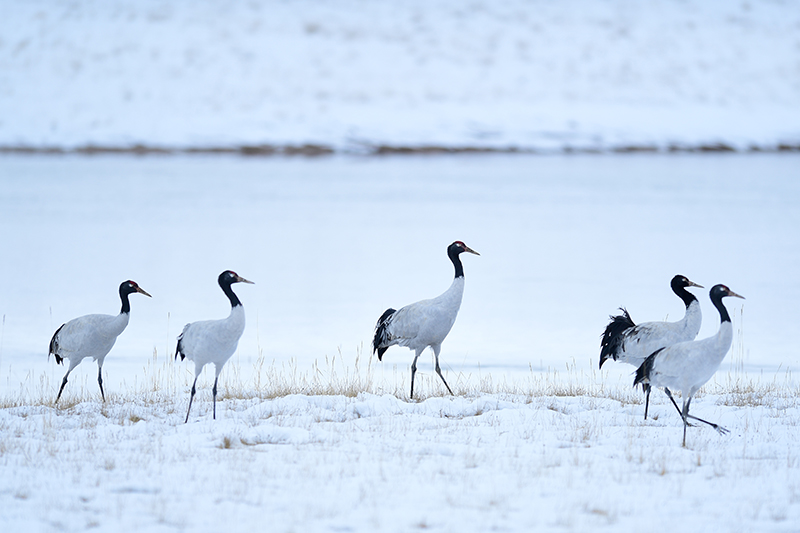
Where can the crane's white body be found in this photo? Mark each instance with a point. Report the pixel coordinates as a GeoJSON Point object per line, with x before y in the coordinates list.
{"type": "Point", "coordinates": [687, 366]}
{"type": "Point", "coordinates": [644, 339]}
{"type": "Point", "coordinates": [212, 341]}
{"type": "Point", "coordinates": [89, 336]}
{"type": "Point", "coordinates": [427, 322]}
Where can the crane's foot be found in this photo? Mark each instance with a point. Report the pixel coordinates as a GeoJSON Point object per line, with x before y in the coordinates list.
{"type": "Point", "coordinates": [721, 430]}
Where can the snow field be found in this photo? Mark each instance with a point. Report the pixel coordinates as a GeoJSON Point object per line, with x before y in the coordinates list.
{"type": "Point", "coordinates": [558, 455]}
{"type": "Point", "coordinates": [353, 75]}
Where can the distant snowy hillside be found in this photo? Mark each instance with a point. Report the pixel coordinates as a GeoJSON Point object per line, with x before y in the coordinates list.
{"type": "Point", "coordinates": [356, 75]}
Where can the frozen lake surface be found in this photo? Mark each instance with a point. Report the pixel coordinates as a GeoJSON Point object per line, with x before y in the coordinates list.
{"type": "Point", "coordinates": [332, 242]}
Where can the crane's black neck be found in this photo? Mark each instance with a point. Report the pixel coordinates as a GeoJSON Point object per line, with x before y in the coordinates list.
{"type": "Point", "coordinates": [123, 295]}
{"type": "Point", "coordinates": [453, 253]}
{"type": "Point", "coordinates": [716, 299]}
{"type": "Point", "coordinates": [683, 294]}
{"type": "Point", "coordinates": [226, 288]}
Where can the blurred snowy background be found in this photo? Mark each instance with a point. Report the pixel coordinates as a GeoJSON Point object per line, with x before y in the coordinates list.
{"type": "Point", "coordinates": [353, 75]}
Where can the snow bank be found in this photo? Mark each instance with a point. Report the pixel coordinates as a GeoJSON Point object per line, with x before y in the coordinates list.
{"type": "Point", "coordinates": [375, 463]}
{"type": "Point", "coordinates": [371, 76]}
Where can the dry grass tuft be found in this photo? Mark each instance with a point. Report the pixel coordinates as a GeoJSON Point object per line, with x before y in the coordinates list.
{"type": "Point", "coordinates": [165, 383]}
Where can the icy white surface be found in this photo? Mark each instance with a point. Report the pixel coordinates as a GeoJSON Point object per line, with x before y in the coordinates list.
{"type": "Point", "coordinates": [348, 73]}
{"type": "Point", "coordinates": [377, 463]}
{"type": "Point", "coordinates": [331, 243]}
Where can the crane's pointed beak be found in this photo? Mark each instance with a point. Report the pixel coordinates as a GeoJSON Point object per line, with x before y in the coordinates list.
{"type": "Point", "coordinates": [693, 284]}
{"type": "Point", "coordinates": [240, 279]}
{"type": "Point", "coordinates": [141, 290]}
{"type": "Point", "coordinates": [470, 250]}
{"type": "Point", "coordinates": [731, 293]}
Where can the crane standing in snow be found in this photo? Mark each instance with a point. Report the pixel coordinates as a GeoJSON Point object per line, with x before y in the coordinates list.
{"type": "Point", "coordinates": [213, 341]}
{"type": "Point", "coordinates": [92, 336]}
{"type": "Point", "coordinates": [624, 341]}
{"type": "Point", "coordinates": [424, 323]}
{"type": "Point", "coordinates": [687, 366]}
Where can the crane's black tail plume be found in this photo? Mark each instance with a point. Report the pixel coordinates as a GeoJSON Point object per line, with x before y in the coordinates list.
{"type": "Point", "coordinates": [54, 346]}
{"type": "Point", "coordinates": [179, 348]}
{"type": "Point", "coordinates": [643, 372]}
{"type": "Point", "coordinates": [382, 338]}
{"type": "Point", "coordinates": [611, 343]}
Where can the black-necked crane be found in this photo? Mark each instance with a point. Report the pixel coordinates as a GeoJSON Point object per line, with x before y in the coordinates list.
{"type": "Point", "coordinates": [624, 341]}
{"type": "Point", "coordinates": [92, 336]}
{"type": "Point", "coordinates": [424, 323]}
{"type": "Point", "coordinates": [687, 366]}
{"type": "Point", "coordinates": [213, 341]}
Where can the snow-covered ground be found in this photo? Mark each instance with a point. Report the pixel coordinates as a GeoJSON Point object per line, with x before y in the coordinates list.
{"type": "Point", "coordinates": [376, 463]}
{"type": "Point", "coordinates": [353, 75]}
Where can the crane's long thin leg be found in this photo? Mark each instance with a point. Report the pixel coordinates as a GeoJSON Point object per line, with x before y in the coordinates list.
{"type": "Point", "coordinates": [190, 399]}
{"type": "Point", "coordinates": [414, 371]}
{"type": "Point", "coordinates": [438, 370]}
{"type": "Point", "coordinates": [721, 430]}
{"type": "Point", "coordinates": [680, 412]}
{"type": "Point", "coordinates": [669, 395]}
{"type": "Point", "coordinates": [72, 364]}
{"type": "Point", "coordinates": [63, 382]}
{"type": "Point", "coordinates": [100, 380]}
{"type": "Point", "coordinates": [685, 415]}
{"type": "Point", "coordinates": [673, 400]}
{"type": "Point", "coordinates": [214, 394]}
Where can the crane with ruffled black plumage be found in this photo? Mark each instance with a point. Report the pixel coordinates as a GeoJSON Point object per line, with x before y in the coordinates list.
{"type": "Point", "coordinates": [625, 341]}
{"type": "Point", "coordinates": [687, 366]}
{"type": "Point", "coordinates": [424, 323]}
{"type": "Point", "coordinates": [213, 341]}
{"type": "Point", "coordinates": [92, 336]}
